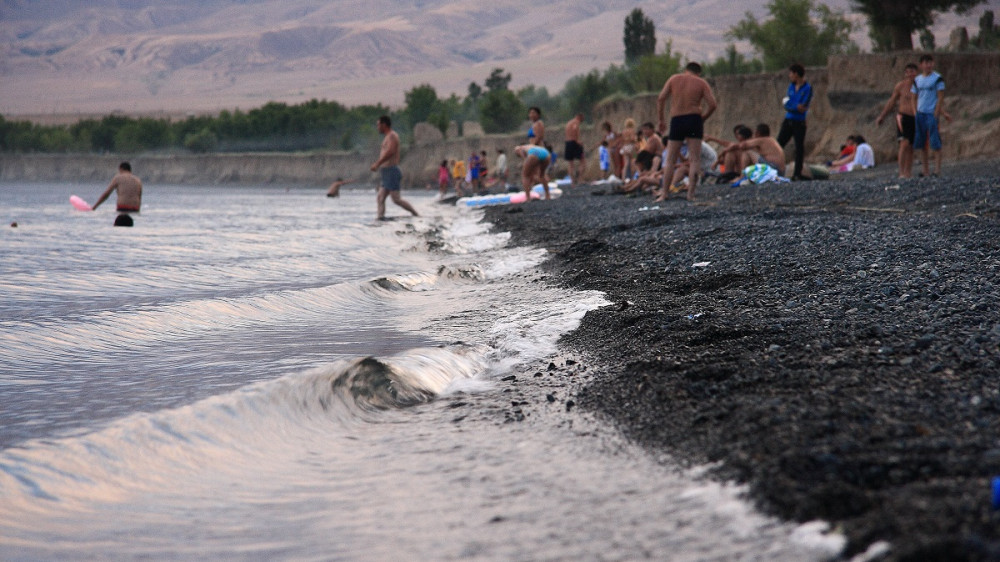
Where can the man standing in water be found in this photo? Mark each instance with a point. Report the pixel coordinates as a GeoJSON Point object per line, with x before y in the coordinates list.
{"type": "Point", "coordinates": [686, 91]}
{"type": "Point", "coordinates": [129, 190]}
{"type": "Point", "coordinates": [388, 166]}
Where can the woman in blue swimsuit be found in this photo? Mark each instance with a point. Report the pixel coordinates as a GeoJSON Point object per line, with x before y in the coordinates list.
{"type": "Point", "coordinates": [536, 132]}
{"type": "Point", "coordinates": [536, 161]}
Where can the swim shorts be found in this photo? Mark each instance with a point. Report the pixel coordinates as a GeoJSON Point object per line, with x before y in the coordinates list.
{"type": "Point", "coordinates": [927, 129]}
{"type": "Point", "coordinates": [539, 152]}
{"type": "Point", "coordinates": [391, 178]}
{"type": "Point", "coordinates": [574, 150]}
{"type": "Point", "coordinates": [906, 127]}
{"type": "Point", "coordinates": [645, 158]}
{"type": "Point", "coordinates": [688, 126]}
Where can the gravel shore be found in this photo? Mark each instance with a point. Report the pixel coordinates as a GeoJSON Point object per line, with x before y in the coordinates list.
{"type": "Point", "coordinates": [834, 344]}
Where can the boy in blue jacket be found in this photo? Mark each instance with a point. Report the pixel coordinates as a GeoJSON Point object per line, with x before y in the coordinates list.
{"type": "Point", "coordinates": [796, 105]}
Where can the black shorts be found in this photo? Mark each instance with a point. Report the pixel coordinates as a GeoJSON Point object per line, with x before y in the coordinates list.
{"type": "Point", "coordinates": [573, 151]}
{"type": "Point", "coordinates": [908, 130]}
{"type": "Point", "coordinates": [686, 127]}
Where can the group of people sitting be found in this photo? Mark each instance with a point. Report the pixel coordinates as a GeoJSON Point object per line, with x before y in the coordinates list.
{"type": "Point", "coordinates": [742, 159]}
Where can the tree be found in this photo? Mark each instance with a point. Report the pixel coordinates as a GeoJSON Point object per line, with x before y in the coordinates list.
{"type": "Point", "coordinates": [475, 90]}
{"type": "Point", "coordinates": [500, 111]}
{"type": "Point", "coordinates": [421, 102]}
{"type": "Point", "coordinates": [791, 35]}
{"type": "Point", "coordinates": [900, 18]}
{"type": "Point", "coordinates": [640, 36]}
{"type": "Point", "coordinates": [650, 73]}
{"type": "Point", "coordinates": [927, 42]}
{"type": "Point", "coordinates": [582, 92]}
{"type": "Point", "coordinates": [497, 80]}
{"type": "Point", "coordinates": [989, 33]}
{"type": "Point", "coordinates": [733, 62]}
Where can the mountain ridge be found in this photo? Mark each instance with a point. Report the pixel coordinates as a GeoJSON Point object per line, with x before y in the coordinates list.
{"type": "Point", "coordinates": [188, 57]}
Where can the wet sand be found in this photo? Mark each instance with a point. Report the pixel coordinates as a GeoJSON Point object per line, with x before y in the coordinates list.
{"type": "Point", "coordinates": [833, 344]}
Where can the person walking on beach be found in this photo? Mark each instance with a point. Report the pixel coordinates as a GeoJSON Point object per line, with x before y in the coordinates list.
{"type": "Point", "coordinates": [687, 92]}
{"type": "Point", "coordinates": [574, 150]}
{"type": "Point", "coordinates": [906, 121]}
{"type": "Point", "coordinates": [796, 106]}
{"type": "Point", "coordinates": [927, 94]}
{"type": "Point", "coordinates": [536, 161]}
{"type": "Point", "coordinates": [129, 199]}
{"type": "Point", "coordinates": [388, 166]}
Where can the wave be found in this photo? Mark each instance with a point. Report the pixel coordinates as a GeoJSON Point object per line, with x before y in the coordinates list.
{"type": "Point", "coordinates": [142, 451]}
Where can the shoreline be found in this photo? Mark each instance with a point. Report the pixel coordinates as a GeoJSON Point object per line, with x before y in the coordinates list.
{"type": "Point", "coordinates": [838, 354]}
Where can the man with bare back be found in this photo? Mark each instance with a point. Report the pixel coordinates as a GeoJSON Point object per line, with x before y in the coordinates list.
{"type": "Point", "coordinates": [687, 92]}
{"type": "Point", "coordinates": [574, 150]}
{"type": "Point", "coordinates": [763, 149]}
{"type": "Point", "coordinates": [906, 120]}
{"type": "Point", "coordinates": [388, 166]}
{"type": "Point", "coordinates": [129, 189]}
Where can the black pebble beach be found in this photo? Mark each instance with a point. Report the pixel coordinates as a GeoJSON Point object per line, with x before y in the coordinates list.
{"type": "Point", "coordinates": [833, 344]}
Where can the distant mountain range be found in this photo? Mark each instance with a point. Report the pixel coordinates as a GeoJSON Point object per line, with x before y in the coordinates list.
{"type": "Point", "coordinates": [189, 56]}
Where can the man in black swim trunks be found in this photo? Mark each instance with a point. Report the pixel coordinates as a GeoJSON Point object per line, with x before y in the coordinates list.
{"type": "Point", "coordinates": [687, 92]}
{"type": "Point", "coordinates": [906, 123]}
{"type": "Point", "coordinates": [574, 150]}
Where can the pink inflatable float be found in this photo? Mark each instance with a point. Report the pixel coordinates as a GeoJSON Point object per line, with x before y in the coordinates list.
{"type": "Point", "coordinates": [79, 204]}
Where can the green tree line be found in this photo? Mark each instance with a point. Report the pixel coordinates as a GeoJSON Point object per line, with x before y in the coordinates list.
{"type": "Point", "coordinates": [800, 31]}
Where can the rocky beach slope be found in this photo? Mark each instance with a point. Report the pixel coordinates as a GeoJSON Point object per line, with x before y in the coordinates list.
{"type": "Point", "coordinates": [834, 344]}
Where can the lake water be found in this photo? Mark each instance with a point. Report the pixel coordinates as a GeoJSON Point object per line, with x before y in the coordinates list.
{"type": "Point", "coordinates": [262, 373]}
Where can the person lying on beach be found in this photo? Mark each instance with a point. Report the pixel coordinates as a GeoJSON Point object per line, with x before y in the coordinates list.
{"type": "Point", "coordinates": [763, 149]}
{"type": "Point", "coordinates": [536, 161]}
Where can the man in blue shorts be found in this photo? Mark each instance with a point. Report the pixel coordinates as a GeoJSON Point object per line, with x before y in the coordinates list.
{"type": "Point", "coordinates": [388, 166]}
{"type": "Point", "coordinates": [928, 93]}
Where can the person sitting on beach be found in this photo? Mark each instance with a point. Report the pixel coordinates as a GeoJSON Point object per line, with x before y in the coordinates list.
{"type": "Point", "coordinates": [129, 188]}
{"type": "Point", "coordinates": [650, 173]}
{"type": "Point", "coordinates": [533, 171]}
{"type": "Point", "coordinates": [682, 176]}
{"type": "Point", "coordinates": [763, 149]}
{"type": "Point", "coordinates": [651, 154]}
{"type": "Point", "coordinates": [732, 161]}
{"type": "Point", "coordinates": [862, 157]}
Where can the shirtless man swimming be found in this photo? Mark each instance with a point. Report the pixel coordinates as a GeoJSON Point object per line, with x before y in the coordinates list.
{"type": "Point", "coordinates": [687, 92]}
{"type": "Point", "coordinates": [388, 166]}
{"type": "Point", "coordinates": [129, 189]}
{"type": "Point", "coordinates": [763, 149]}
{"type": "Point", "coordinates": [906, 120]}
{"type": "Point", "coordinates": [574, 150]}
